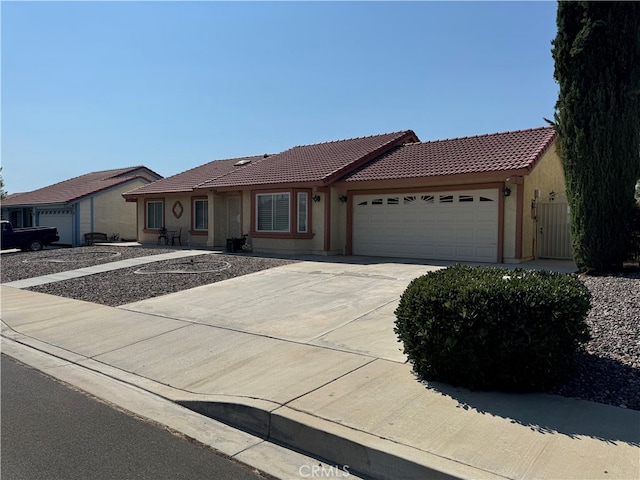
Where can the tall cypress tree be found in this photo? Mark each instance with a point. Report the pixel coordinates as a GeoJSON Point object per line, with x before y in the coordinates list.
{"type": "Point", "coordinates": [597, 66]}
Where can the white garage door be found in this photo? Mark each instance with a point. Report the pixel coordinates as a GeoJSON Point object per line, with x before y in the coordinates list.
{"type": "Point", "coordinates": [456, 225]}
{"type": "Point", "coordinates": [62, 220]}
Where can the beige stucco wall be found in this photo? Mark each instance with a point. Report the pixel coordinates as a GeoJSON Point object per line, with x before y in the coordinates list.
{"type": "Point", "coordinates": [509, 237]}
{"type": "Point", "coordinates": [547, 177]}
{"type": "Point", "coordinates": [316, 244]}
{"type": "Point", "coordinates": [174, 219]}
{"type": "Point", "coordinates": [294, 246]}
{"type": "Point", "coordinates": [139, 204]}
{"type": "Point", "coordinates": [246, 212]}
{"type": "Point", "coordinates": [338, 222]}
{"type": "Point", "coordinates": [218, 221]}
{"type": "Point", "coordinates": [85, 215]}
{"type": "Point", "coordinates": [111, 213]}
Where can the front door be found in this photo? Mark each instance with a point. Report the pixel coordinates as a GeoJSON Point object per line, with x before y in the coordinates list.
{"type": "Point", "coordinates": [234, 229]}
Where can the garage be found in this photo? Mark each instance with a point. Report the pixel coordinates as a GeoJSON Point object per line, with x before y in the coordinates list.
{"type": "Point", "coordinates": [439, 225]}
{"type": "Point", "coordinates": [62, 220]}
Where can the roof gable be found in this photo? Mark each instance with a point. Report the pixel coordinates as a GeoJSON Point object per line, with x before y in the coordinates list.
{"type": "Point", "coordinates": [320, 163]}
{"type": "Point", "coordinates": [80, 187]}
{"type": "Point", "coordinates": [508, 151]}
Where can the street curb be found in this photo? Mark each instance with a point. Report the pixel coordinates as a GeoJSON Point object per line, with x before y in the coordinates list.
{"type": "Point", "coordinates": [276, 461]}
{"type": "Point", "coordinates": [364, 455]}
{"type": "Point", "coordinates": [343, 447]}
{"type": "Point", "coordinates": [248, 418]}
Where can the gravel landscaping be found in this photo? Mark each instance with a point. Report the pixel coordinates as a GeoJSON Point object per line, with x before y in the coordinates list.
{"type": "Point", "coordinates": [126, 285]}
{"type": "Point", "coordinates": [21, 265]}
{"type": "Point", "coordinates": [608, 372]}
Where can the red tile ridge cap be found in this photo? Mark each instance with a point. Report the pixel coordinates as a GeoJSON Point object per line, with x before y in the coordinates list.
{"type": "Point", "coordinates": [468, 137]}
{"type": "Point", "coordinates": [381, 150]}
{"type": "Point", "coordinates": [398, 132]}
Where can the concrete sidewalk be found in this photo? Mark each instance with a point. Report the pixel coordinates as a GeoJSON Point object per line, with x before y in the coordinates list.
{"type": "Point", "coordinates": [304, 355]}
{"type": "Point", "coordinates": [103, 267]}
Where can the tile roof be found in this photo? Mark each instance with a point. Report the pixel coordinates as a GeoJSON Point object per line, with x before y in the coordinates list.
{"type": "Point", "coordinates": [188, 180]}
{"type": "Point", "coordinates": [319, 163]}
{"type": "Point", "coordinates": [79, 187]}
{"type": "Point", "coordinates": [506, 151]}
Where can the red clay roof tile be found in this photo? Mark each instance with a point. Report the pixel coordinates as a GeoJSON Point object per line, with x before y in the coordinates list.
{"type": "Point", "coordinates": [190, 179]}
{"type": "Point", "coordinates": [78, 187]}
{"type": "Point", "coordinates": [483, 153]}
{"type": "Point", "coordinates": [319, 163]}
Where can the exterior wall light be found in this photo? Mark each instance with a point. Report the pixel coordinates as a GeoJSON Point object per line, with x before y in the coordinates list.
{"type": "Point", "coordinates": [506, 191]}
{"type": "Point", "coordinates": [342, 198]}
{"type": "Point", "coordinates": [316, 198]}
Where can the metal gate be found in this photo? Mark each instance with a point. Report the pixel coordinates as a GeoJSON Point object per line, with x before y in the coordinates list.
{"type": "Point", "coordinates": [553, 230]}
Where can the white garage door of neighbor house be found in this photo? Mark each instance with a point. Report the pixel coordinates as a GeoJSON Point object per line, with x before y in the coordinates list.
{"type": "Point", "coordinates": [62, 220]}
{"type": "Point", "coordinates": [457, 225]}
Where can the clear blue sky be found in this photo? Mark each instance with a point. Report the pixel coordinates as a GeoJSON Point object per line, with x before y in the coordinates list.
{"type": "Point", "coordinates": [90, 86]}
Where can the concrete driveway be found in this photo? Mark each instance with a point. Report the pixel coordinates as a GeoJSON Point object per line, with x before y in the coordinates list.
{"type": "Point", "coordinates": [342, 306]}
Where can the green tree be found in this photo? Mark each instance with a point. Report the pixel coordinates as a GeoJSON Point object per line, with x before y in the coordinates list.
{"type": "Point", "coordinates": [597, 66]}
{"type": "Point", "coordinates": [3, 193]}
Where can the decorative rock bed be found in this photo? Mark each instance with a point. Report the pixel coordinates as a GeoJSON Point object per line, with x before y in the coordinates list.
{"type": "Point", "coordinates": [126, 285]}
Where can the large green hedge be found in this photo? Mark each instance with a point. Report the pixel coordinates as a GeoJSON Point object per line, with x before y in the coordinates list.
{"type": "Point", "coordinates": [596, 55]}
{"type": "Point", "coordinates": [493, 328]}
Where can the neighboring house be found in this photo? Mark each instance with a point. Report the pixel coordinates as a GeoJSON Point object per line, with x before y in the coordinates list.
{"type": "Point", "coordinates": [88, 203]}
{"type": "Point", "coordinates": [467, 199]}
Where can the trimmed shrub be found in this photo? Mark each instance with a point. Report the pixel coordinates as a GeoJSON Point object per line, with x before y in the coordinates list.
{"type": "Point", "coordinates": [493, 328]}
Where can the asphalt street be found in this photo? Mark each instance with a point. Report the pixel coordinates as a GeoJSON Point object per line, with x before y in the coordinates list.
{"type": "Point", "coordinates": [51, 431]}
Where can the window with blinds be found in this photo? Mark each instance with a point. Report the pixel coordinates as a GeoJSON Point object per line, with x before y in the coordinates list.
{"type": "Point", "coordinates": [273, 211]}
{"type": "Point", "coordinates": [303, 201]}
{"type": "Point", "coordinates": [154, 214]}
{"type": "Point", "coordinates": [201, 214]}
